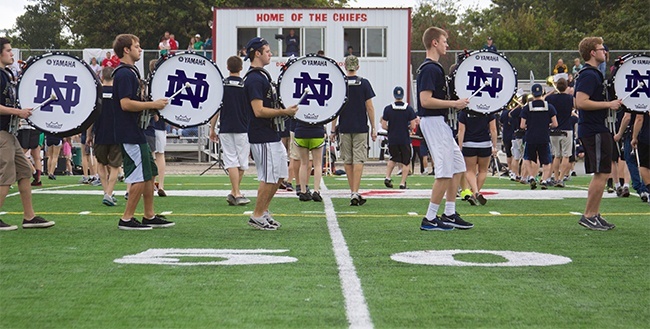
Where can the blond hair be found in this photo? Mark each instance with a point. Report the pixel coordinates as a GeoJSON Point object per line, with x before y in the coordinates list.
{"type": "Point", "coordinates": [432, 33]}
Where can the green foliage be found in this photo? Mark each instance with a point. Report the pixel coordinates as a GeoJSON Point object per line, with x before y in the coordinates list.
{"type": "Point", "coordinates": [40, 27]}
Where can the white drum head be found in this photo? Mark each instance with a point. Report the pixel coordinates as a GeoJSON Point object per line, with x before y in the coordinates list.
{"type": "Point", "coordinates": [75, 86]}
{"type": "Point", "coordinates": [628, 76]}
{"type": "Point", "coordinates": [196, 104]}
{"type": "Point", "coordinates": [326, 86]}
{"type": "Point", "coordinates": [477, 69]}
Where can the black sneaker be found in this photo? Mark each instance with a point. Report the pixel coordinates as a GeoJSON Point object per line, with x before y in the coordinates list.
{"type": "Point", "coordinates": [271, 221]}
{"type": "Point", "coordinates": [559, 183]}
{"type": "Point", "coordinates": [403, 187]}
{"type": "Point", "coordinates": [471, 199]}
{"type": "Point", "coordinates": [626, 192]}
{"type": "Point", "coordinates": [6, 227]}
{"type": "Point", "coordinates": [362, 201]}
{"type": "Point", "coordinates": [604, 222]}
{"type": "Point", "coordinates": [316, 196]}
{"type": "Point", "coordinates": [592, 223]}
{"type": "Point", "coordinates": [37, 222]}
{"type": "Point", "coordinates": [481, 199]}
{"type": "Point", "coordinates": [619, 191]}
{"type": "Point", "coordinates": [157, 221]}
{"type": "Point", "coordinates": [261, 224]}
{"type": "Point", "coordinates": [544, 185]}
{"type": "Point", "coordinates": [533, 183]}
{"type": "Point", "coordinates": [132, 225]}
{"type": "Point", "coordinates": [288, 187]}
{"type": "Point", "coordinates": [231, 200]}
{"type": "Point", "coordinates": [434, 225]}
{"type": "Point", "coordinates": [304, 196]}
{"type": "Point", "coordinates": [457, 222]}
{"type": "Point", "coordinates": [354, 200]}
{"type": "Point", "coordinates": [388, 182]}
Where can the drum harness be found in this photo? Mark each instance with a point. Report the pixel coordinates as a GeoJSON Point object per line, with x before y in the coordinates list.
{"type": "Point", "coordinates": [278, 122]}
{"type": "Point", "coordinates": [10, 85]}
{"type": "Point", "coordinates": [611, 114]}
{"type": "Point", "coordinates": [146, 115]}
{"type": "Point", "coordinates": [452, 117]}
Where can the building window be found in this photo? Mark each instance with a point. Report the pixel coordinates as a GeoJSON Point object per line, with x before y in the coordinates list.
{"type": "Point", "coordinates": [364, 42]}
{"type": "Point", "coordinates": [314, 40]}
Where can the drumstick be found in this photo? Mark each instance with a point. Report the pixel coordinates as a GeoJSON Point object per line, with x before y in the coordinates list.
{"type": "Point", "coordinates": [47, 101]}
{"type": "Point", "coordinates": [479, 90]}
{"type": "Point", "coordinates": [304, 94]}
{"type": "Point", "coordinates": [641, 84]}
{"type": "Point", "coordinates": [186, 85]}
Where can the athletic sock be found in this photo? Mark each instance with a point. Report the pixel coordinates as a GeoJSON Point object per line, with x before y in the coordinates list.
{"type": "Point", "coordinates": [432, 211]}
{"type": "Point", "coordinates": [450, 208]}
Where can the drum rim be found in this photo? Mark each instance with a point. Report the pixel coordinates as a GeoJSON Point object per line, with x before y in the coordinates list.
{"type": "Point", "coordinates": [153, 74]}
{"type": "Point", "coordinates": [289, 62]}
{"type": "Point", "coordinates": [452, 76]}
{"type": "Point", "coordinates": [93, 114]}
{"type": "Point", "coordinates": [625, 58]}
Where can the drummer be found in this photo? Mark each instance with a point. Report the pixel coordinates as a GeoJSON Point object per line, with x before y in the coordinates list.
{"type": "Point", "coordinates": [13, 163]}
{"type": "Point", "coordinates": [399, 119]}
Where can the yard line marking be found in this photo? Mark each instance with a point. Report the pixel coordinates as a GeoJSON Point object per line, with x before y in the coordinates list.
{"type": "Point", "coordinates": [45, 189]}
{"type": "Point", "coordinates": [249, 212]}
{"type": "Point", "coordinates": [356, 308]}
{"type": "Point", "coordinates": [495, 213]}
{"type": "Point", "coordinates": [84, 212]}
{"type": "Point", "coordinates": [411, 213]}
{"type": "Point", "coordinates": [575, 213]}
{"type": "Point", "coordinates": [166, 213]}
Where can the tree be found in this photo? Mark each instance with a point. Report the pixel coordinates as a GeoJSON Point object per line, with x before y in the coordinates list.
{"type": "Point", "coordinates": [40, 26]}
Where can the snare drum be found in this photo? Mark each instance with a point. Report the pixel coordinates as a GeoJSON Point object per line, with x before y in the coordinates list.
{"type": "Point", "coordinates": [77, 89]}
{"type": "Point", "coordinates": [482, 67]}
{"type": "Point", "coordinates": [634, 70]}
{"type": "Point", "coordinates": [196, 104]}
{"type": "Point", "coordinates": [327, 89]}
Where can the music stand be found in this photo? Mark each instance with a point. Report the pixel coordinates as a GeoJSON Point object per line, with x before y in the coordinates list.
{"type": "Point", "coordinates": [218, 160]}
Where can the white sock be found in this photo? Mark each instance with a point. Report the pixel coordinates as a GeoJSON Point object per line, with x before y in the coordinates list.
{"type": "Point", "coordinates": [432, 211]}
{"type": "Point", "coordinates": [450, 208]}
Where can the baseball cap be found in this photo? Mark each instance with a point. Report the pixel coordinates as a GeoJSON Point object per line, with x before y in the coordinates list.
{"type": "Point", "coordinates": [351, 63]}
{"type": "Point", "coordinates": [254, 44]}
{"type": "Point", "coordinates": [398, 92]}
{"type": "Point", "coordinates": [537, 90]}
{"type": "Point", "coordinates": [197, 35]}
{"type": "Point", "coordinates": [489, 38]}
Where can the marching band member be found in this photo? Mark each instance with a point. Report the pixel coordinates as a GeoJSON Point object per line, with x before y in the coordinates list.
{"type": "Point", "coordinates": [398, 118]}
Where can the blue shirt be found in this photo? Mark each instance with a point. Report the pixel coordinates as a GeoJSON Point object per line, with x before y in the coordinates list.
{"type": "Point", "coordinates": [507, 129]}
{"type": "Point", "coordinates": [307, 130]}
{"type": "Point", "coordinates": [260, 130]}
{"type": "Point", "coordinates": [537, 122]}
{"type": "Point", "coordinates": [431, 77]}
{"type": "Point", "coordinates": [399, 123]}
{"type": "Point", "coordinates": [292, 45]}
{"type": "Point", "coordinates": [563, 104]}
{"type": "Point", "coordinates": [644, 133]}
{"type": "Point", "coordinates": [105, 125]}
{"type": "Point", "coordinates": [127, 124]}
{"type": "Point", "coordinates": [233, 117]}
{"type": "Point", "coordinates": [353, 118]}
{"type": "Point", "coordinates": [7, 96]}
{"type": "Point", "coordinates": [590, 82]}
{"type": "Point", "coordinates": [477, 127]}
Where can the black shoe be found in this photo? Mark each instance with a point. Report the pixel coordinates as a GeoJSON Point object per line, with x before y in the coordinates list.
{"type": "Point", "coordinates": [37, 222]}
{"type": "Point", "coordinates": [357, 200]}
{"type": "Point", "coordinates": [6, 227]}
{"type": "Point", "coordinates": [481, 199]}
{"type": "Point", "coordinates": [434, 225]}
{"type": "Point", "coordinates": [161, 193]}
{"type": "Point", "coordinates": [51, 176]}
{"type": "Point", "coordinates": [388, 182]}
{"type": "Point", "coordinates": [544, 185]}
{"type": "Point", "coordinates": [533, 183]}
{"type": "Point", "coordinates": [288, 187]}
{"type": "Point", "coordinates": [157, 221]}
{"type": "Point", "coordinates": [304, 196]}
{"type": "Point", "coordinates": [592, 223]}
{"type": "Point", "coordinates": [316, 196]}
{"type": "Point", "coordinates": [132, 225]}
{"type": "Point", "coordinates": [457, 222]}
{"type": "Point", "coordinates": [626, 192]}
{"type": "Point", "coordinates": [231, 199]}
{"type": "Point", "coordinates": [402, 187]}
{"type": "Point", "coordinates": [604, 222]}
{"type": "Point", "coordinates": [37, 183]}
{"type": "Point", "coordinates": [362, 201]}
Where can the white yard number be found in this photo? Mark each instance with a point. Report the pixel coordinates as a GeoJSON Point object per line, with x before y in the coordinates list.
{"type": "Point", "coordinates": [446, 258]}
{"type": "Point", "coordinates": [220, 256]}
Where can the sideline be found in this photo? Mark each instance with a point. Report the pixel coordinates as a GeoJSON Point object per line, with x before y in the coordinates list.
{"type": "Point", "coordinates": [42, 189]}
{"type": "Point", "coordinates": [356, 308]}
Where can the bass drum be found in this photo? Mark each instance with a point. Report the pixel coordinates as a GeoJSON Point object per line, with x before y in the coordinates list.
{"type": "Point", "coordinates": [633, 71]}
{"type": "Point", "coordinates": [200, 84]}
{"type": "Point", "coordinates": [482, 67]}
{"type": "Point", "coordinates": [326, 84]}
{"type": "Point", "coordinates": [76, 88]}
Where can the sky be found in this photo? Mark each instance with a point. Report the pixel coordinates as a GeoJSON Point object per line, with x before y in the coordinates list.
{"type": "Point", "coordinates": [14, 8]}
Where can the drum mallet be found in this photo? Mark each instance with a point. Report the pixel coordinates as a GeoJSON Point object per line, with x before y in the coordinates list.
{"type": "Point", "coordinates": [303, 96]}
{"type": "Point", "coordinates": [185, 86]}
{"type": "Point", "coordinates": [486, 84]}
{"type": "Point", "coordinates": [46, 102]}
{"type": "Point", "coordinates": [641, 84]}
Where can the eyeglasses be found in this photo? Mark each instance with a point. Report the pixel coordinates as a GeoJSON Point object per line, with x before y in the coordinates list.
{"type": "Point", "coordinates": [603, 49]}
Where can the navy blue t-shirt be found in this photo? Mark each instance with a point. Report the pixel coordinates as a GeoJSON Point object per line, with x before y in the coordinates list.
{"type": "Point", "coordinates": [7, 96]}
{"type": "Point", "coordinates": [233, 117]}
{"type": "Point", "coordinates": [507, 129]}
{"type": "Point", "coordinates": [399, 123]}
{"type": "Point", "coordinates": [104, 125]}
{"type": "Point", "coordinates": [537, 122]}
{"type": "Point", "coordinates": [590, 82]}
{"type": "Point", "coordinates": [477, 127]}
{"type": "Point", "coordinates": [644, 133]}
{"type": "Point", "coordinates": [353, 118]}
{"type": "Point", "coordinates": [431, 77]}
{"type": "Point", "coordinates": [307, 130]}
{"type": "Point", "coordinates": [127, 124]}
{"type": "Point", "coordinates": [563, 104]}
{"type": "Point", "coordinates": [260, 130]}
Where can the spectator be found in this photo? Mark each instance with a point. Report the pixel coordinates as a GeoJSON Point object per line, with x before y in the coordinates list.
{"type": "Point", "coordinates": [490, 45]}
{"type": "Point", "coordinates": [293, 44]}
{"type": "Point", "coordinates": [190, 46]}
{"type": "Point", "coordinates": [106, 61]}
{"type": "Point", "coordinates": [560, 66]}
{"type": "Point", "coordinates": [97, 69]}
{"type": "Point", "coordinates": [577, 66]}
{"type": "Point", "coordinates": [173, 44]}
{"type": "Point", "coordinates": [198, 44]}
{"type": "Point", "coordinates": [163, 46]}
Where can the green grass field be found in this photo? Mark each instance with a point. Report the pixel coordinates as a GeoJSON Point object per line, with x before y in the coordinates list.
{"type": "Point", "coordinates": [67, 277]}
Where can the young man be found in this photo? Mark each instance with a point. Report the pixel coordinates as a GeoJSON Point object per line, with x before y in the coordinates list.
{"type": "Point", "coordinates": [269, 153]}
{"type": "Point", "coordinates": [432, 110]}
{"type": "Point", "coordinates": [13, 163]}
{"type": "Point", "coordinates": [353, 127]}
{"type": "Point", "coordinates": [562, 136]}
{"type": "Point", "coordinates": [592, 130]}
{"type": "Point", "coordinates": [535, 119]}
{"type": "Point", "coordinates": [139, 166]}
{"type": "Point", "coordinates": [398, 119]}
{"type": "Point", "coordinates": [232, 131]}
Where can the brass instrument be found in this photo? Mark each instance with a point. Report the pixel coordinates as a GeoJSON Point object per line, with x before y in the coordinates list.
{"type": "Point", "coordinates": [550, 81]}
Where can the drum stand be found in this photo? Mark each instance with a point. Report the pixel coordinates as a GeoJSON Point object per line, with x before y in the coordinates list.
{"type": "Point", "coordinates": [218, 161]}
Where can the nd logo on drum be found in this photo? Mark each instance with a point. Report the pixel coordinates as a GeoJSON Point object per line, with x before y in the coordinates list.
{"type": "Point", "coordinates": [633, 80]}
{"type": "Point", "coordinates": [49, 85]}
{"type": "Point", "coordinates": [478, 77]}
{"type": "Point", "coordinates": [321, 94]}
{"type": "Point", "coordinates": [195, 96]}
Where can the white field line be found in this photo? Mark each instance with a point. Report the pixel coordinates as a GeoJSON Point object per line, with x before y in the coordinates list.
{"type": "Point", "coordinates": [356, 308]}
{"type": "Point", "coordinates": [45, 189]}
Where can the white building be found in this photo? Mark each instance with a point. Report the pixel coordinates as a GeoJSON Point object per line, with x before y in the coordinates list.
{"type": "Point", "coordinates": [379, 37]}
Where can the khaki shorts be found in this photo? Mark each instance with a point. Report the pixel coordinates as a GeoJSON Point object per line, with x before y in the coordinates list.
{"type": "Point", "coordinates": [562, 146]}
{"type": "Point", "coordinates": [109, 155]}
{"type": "Point", "coordinates": [354, 148]}
{"type": "Point", "coordinates": [13, 162]}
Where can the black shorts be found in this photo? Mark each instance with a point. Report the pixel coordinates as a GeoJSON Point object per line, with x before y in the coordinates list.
{"type": "Point", "coordinates": [481, 152]}
{"type": "Point", "coordinates": [617, 153]}
{"type": "Point", "coordinates": [507, 144]}
{"type": "Point", "coordinates": [29, 138]}
{"type": "Point", "coordinates": [541, 151]}
{"type": "Point", "coordinates": [643, 150]}
{"type": "Point", "coordinates": [598, 153]}
{"type": "Point", "coordinates": [400, 153]}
